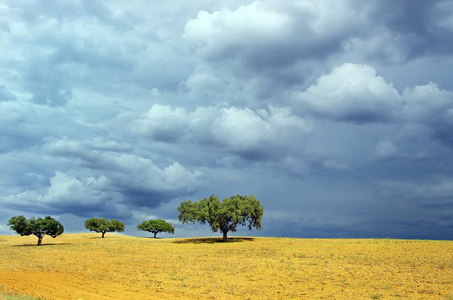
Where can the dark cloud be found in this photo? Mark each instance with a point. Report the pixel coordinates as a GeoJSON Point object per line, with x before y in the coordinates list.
{"type": "Point", "coordinates": [6, 95]}
{"type": "Point", "coordinates": [421, 26]}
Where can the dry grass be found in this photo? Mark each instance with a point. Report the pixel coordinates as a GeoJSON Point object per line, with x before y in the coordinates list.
{"type": "Point", "coordinates": [84, 266]}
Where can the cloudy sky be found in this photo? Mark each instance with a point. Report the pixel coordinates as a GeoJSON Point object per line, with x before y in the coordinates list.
{"type": "Point", "coordinates": [336, 115]}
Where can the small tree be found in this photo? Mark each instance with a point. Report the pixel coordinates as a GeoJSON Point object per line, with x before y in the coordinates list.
{"type": "Point", "coordinates": [225, 215]}
{"type": "Point", "coordinates": [103, 225]}
{"type": "Point", "coordinates": [39, 227]}
{"type": "Point", "coordinates": [156, 226]}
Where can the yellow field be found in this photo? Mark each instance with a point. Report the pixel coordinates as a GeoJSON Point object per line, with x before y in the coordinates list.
{"type": "Point", "coordinates": [84, 266]}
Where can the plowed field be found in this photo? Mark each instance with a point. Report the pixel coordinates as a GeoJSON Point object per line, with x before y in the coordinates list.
{"type": "Point", "coordinates": [85, 266]}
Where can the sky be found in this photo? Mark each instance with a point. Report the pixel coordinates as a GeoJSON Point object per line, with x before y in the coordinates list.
{"type": "Point", "coordinates": [336, 115]}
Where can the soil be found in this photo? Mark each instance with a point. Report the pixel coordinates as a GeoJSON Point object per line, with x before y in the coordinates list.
{"type": "Point", "coordinates": [85, 266]}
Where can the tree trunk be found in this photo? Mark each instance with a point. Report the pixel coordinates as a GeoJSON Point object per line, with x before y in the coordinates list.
{"type": "Point", "coordinates": [103, 234]}
{"type": "Point", "coordinates": [39, 239]}
{"type": "Point", "coordinates": [225, 235]}
{"type": "Point", "coordinates": [155, 233]}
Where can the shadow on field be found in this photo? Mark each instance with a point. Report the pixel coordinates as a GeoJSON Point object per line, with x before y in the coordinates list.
{"type": "Point", "coordinates": [213, 240]}
{"type": "Point", "coordinates": [103, 238]}
{"type": "Point", "coordinates": [40, 246]}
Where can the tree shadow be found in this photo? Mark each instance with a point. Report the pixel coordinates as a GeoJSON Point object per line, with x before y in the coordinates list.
{"type": "Point", "coordinates": [213, 240]}
{"type": "Point", "coordinates": [42, 245]}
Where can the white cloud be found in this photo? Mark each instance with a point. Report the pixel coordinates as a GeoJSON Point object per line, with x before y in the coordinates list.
{"type": "Point", "coordinates": [215, 34]}
{"type": "Point", "coordinates": [68, 190]}
{"type": "Point", "coordinates": [100, 179]}
{"type": "Point", "coordinates": [64, 192]}
{"type": "Point", "coordinates": [139, 174]}
{"type": "Point", "coordinates": [353, 93]}
{"type": "Point", "coordinates": [427, 101]}
{"type": "Point", "coordinates": [431, 107]}
{"type": "Point", "coordinates": [232, 129]}
{"type": "Point", "coordinates": [273, 34]}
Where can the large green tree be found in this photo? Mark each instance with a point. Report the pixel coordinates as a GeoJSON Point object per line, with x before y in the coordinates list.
{"type": "Point", "coordinates": [223, 215]}
{"type": "Point", "coordinates": [102, 225]}
{"type": "Point", "coordinates": [156, 226]}
{"type": "Point", "coordinates": [36, 226]}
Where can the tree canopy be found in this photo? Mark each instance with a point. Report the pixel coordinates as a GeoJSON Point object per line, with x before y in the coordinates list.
{"type": "Point", "coordinates": [36, 226]}
{"type": "Point", "coordinates": [156, 226]}
{"type": "Point", "coordinates": [224, 216]}
{"type": "Point", "coordinates": [102, 225]}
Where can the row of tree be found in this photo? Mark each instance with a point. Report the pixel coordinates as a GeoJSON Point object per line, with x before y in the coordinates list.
{"type": "Point", "coordinates": [49, 226]}
{"type": "Point", "coordinates": [102, 225]}
{"type": "Point", "coordinates": [223, 215]}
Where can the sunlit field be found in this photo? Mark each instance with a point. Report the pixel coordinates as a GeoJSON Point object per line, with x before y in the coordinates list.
{"type": "Point", "coordinates": [85, 266]}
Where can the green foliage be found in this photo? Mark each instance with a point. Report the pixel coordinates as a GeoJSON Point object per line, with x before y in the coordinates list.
{"type": "Point", "coordinates": [156, 226]}
{"type": "Point", "coordinates": [36, 226]}
{"type": "Point", "coordinates": [224, 216]}
{"type": "Point", "coordinates": [102, 225]}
